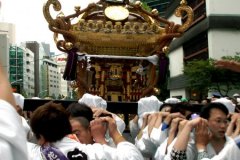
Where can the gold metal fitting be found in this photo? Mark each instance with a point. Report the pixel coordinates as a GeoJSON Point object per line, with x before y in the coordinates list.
{"type": "Point", "coordinates": [155, 12]}
{"type": "Point", "coordinates": [77, 8]}
{"type": "Point", "coordinates": [138, 3]}
{"type": "Point", "coordinates": [157, 91]}
{"type": "Point", "coordinates": [183, 2]}
{"type": "Point", "coordinates": [68, 45]}
{"type": "Point", "coordinates": [165, 49]}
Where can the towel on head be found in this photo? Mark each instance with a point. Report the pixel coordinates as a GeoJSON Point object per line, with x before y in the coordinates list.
{"type": "Point", "coordinates": [172, 100]}
{"type": "Point", "coordinates": [147, 105]}
{"type": "Point", "coordinates": [19, 99]}
{"type": "Point", "coordinates": [93, 101]}
{"type": "Point", "coordinates": [228, 103]}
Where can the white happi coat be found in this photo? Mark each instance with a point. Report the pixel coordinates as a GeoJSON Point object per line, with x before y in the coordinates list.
{"type": "Point", "coordinates": [192, 150]}
{"type": "Point", "coordinates": [13, 143]}
{"type": "Point", "coordinates": [145, 145]}
{"type": "Point", "coordinates": [161, 151]}
{"type": "Point", "coordinates": [123, 151]}
{"type": "Point", "coordinates": [230, 152]}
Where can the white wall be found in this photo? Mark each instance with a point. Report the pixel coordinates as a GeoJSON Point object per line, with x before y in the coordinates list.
{"type": "Point", "coordinates": [223, 42]}
{"type": "Point", "coordinates": [176, 56]}
{"type": "Point", "coordinates": [176, 20]}
{"type": "Point", "coordinates": [4, 52]}
{"type": "Point", "coordinates": [178, 92]}
{"type": "Point", "coordinates": [9, 29]}
{"type": "Point", "coordinates": [176, 62]}
{"type": "Point", "coordinates": [223, 7]}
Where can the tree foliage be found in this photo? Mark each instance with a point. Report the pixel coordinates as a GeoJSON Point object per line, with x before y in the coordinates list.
{"type": "Point", "coordinates": [145, 6]}
{"type": "Point", "coordinates": [203, 76]}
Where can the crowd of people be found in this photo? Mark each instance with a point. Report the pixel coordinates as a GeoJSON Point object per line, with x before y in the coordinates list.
{"type": "Point", "coordinates": [175, 129]}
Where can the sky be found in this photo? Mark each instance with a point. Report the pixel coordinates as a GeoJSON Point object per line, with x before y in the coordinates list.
{"type": "Point", "coordinates": [28, 17]}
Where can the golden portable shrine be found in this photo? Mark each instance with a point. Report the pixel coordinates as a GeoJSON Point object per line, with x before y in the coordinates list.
{"type": "Point", "coordinates": [116, 49]}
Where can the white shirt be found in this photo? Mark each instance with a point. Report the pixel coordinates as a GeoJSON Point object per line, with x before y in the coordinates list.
{"type": "Point", "coordinates": [134, 129]}
{"type": "Point", "coordinates": [192, 150]}
{"type": "Point", "coordinates": [145, 145]}
{"type": "Point", "coordinates": [157, 136]}
{"type": "Point", "coordinates": [13, 143]}
{"type": "Point", "coordinates": [120, 123]}
{"type": "Point", "coordinates": [124, 150]}
{"type": "Point", "coordinates": [161, 151]}
{"type": "Point", "coordinates": [229, 152]}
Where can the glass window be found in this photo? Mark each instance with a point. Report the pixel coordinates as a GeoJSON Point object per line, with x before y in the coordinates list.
{"type": "Point", "coordinates": [20, 55]}
{"type": "Point", "coordinates": [12, 77]}
{"type": "Point", "coordinates": [12, 62]}
{"type": "Point", "coordinates": [13, 70]}
{"type": "Point", "coordinates": [20, 62]}
{"type": "Point", "coordinates": [12, 54]}
{"type": "Point", "coordinates": [20, 70]}
{"type": "Point", "coordinates": [20, 77]}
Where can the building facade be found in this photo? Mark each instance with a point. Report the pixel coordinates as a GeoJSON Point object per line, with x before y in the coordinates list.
{"type": "Point", "coordinates": [213, 34]}
{"type": "Point", "coordinates": [21, 70]}
{"type": "Point", "coordinates": [65, 89]}
{"type": "Point", "coordinates": [7, 36]}
{"type": "Point", "coordinates": [51, 77]}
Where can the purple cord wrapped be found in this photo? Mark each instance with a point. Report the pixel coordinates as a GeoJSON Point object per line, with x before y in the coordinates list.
{"type": "Point", "coordinates": [163, 68]}
{"type": "Point", "coordinates": [71, 66]}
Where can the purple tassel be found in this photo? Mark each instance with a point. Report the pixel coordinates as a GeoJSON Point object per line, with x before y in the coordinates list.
{"type": "Point", "coordinates": [71, 66]}
{"type": "Point", "coordinates": [163, 68]}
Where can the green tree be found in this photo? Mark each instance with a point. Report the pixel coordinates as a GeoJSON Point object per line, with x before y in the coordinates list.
{"type": "Point", "coordinates": [23, 92]}
{"type": "Point", "coordinates": [145, 6]}
{"type": "Point", "coordinates": [74, 95]}
{"type": "Point", "coordinates": [53, 96]}
{"type": "Point", "coordinates": [59, 96]}
{"type": "Point", "coordinates": [202, 76]}
{"type": "Point", "coordinates": [198, 73]}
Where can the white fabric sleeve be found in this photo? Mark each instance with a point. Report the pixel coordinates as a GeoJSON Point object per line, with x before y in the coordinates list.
{"type": "Point", "coordinates": [145, 145]}
{"type": "Point", "coordinates": [157, 136]}
{"type": "Point", "coordinates": [127, 151]}
{"type": "Point", "coordinates": [120, 123]}
{"type": "Point", "coordinates": [161, 150]}
{"type": "Point", "coordinates": [11, 131]}
{"type": "Point", "coordinates": [26, 126]}
{"type": "Point", "coordinates": [124, 151]}
{"type": "Point", "coordinates": [169, 149]}
{"type": "Point", "coordinates": [191, 148]}
{"type": "Point", "coordinates": [134, 129]}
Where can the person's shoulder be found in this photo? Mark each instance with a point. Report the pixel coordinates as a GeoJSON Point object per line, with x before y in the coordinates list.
{"type": "Point", "coordinates": [5, 103]}
{"type": "Point", "coordinates": [8, 112]}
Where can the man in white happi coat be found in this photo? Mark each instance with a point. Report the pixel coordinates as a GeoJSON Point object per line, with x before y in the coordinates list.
{"type": "Point", "coordinates": [13, 144]}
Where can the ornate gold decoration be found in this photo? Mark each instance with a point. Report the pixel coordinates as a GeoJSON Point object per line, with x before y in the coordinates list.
{"type": "Point", "coordinates": [156, 91]}
{"type": "Point", "coordinates": [86, 33]}
{"type": "Point", "coordinates": [134, 32]}
{"type": "Point", "coordinates": [118, 26]}
{"type": "Point", "coordinates": [116, 13]}
{"type": "Point", "coordinates": [68, 45]}
{"type": "Point", "coordinates": [165, 49]}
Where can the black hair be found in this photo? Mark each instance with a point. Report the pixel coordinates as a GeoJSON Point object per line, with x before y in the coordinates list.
{"type": "Point", "coordinates": [167, 105]}
{"type": "Point", "coordinates": [83, 121]}
{"type": "Point", "coordinates": [205, 113]}
{"type": "Point", "coordinates": [50, 121]}
{"type": "Point", "coordinates": [80, 110]}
